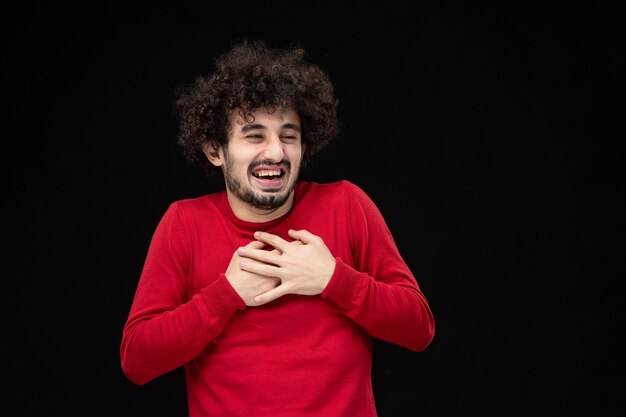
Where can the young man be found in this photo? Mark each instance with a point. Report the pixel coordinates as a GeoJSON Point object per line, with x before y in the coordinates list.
{"type": "Point", "coordinates": [270, 292]}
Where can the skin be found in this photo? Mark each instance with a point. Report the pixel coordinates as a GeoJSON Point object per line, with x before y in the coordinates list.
{"type": "Point", "coordinates": [270, 144]}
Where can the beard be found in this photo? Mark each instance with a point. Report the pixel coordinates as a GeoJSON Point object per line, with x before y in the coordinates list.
{"type": "Point", "coordinates": [262, 201]}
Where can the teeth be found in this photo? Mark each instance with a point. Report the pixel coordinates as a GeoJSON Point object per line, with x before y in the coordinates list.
{"type": "Point", "coordinates": [267, 173]}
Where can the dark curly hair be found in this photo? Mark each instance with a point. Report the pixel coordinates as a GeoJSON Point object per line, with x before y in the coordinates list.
{"type": "Point", "coordinates": [248, 77]}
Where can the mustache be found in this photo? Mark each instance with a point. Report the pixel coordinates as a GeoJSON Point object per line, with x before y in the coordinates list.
{"type": "Point", "coordinates": [285, 165]}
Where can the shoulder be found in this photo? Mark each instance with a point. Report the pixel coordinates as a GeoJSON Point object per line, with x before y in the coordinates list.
{"type": "Point", "coordinates": [190, 203]}
{"type": "Point", "coordinates": [332, 189]}
{"type": "Point", "coordinates": [340, 195]}
{"type": "Point", "coordinates": [190, 207]}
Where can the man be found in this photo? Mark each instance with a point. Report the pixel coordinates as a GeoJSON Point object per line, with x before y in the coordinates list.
{"type": "Point", "coordinates": [270, 292]}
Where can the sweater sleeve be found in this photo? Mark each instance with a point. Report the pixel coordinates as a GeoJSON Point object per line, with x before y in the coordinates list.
{"type": "Point", "coordinates": [379, 292]}
{"type": "Point", "coordinates": [166, 328]}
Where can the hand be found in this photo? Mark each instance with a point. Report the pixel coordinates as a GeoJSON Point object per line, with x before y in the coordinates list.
{"type": "Point", "coordinates": [248, 284]}
{"type": "Point", "coordinates": [303, 266]}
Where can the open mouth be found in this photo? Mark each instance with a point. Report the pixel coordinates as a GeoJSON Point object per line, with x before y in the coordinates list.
{"type": "Point", "coordinates": [268, 174]}
{"type": "Point", "coordinates": [269, 178]}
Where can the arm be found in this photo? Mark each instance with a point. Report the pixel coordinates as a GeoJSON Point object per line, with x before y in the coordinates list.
{"type": "Point", "coordinates": [165, 328]}
{"type": "Point", "coordinates": [380, 293]}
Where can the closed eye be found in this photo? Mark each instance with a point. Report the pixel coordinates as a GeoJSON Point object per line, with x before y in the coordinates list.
{"type": "Point", "coordinates": [254, 137]}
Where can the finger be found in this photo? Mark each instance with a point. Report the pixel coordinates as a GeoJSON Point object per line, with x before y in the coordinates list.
{"type": "Point", "coordinates": [254, 244]}
{"type": "Point", "coordinates": [259, 267]}
{"type": "Point", "coordinates": [302, 235]}
{"type": "Point", "coordinates": [272, 240]}
{"type": "Point", "coordinates": [270, 295]}
{"type": "Point", "coordinates": [261, 255]}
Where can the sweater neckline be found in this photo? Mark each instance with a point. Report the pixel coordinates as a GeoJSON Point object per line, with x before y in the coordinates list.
{"type": "Point", "coordinates": [254, 226]}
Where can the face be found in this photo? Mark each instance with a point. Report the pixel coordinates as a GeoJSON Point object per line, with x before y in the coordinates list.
{"type": "Point", "coordinates": [262, 160]}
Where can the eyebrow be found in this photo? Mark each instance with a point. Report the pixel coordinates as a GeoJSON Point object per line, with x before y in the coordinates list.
{"type": "Point", "coordinates": [254, 126]}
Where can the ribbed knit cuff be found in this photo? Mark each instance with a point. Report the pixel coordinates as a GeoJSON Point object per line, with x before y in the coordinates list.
{"type": "Point", "coordinates": [221, 298]}
{"type": "Point", "coordinates": [344, 285]}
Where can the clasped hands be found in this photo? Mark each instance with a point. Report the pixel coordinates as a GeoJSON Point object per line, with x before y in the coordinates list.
{"type": "Point", "coordinates": [303, 266]}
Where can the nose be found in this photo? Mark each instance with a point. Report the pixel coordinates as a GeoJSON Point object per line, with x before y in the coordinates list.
{"type": "Point", "coordinates": [273, 150]}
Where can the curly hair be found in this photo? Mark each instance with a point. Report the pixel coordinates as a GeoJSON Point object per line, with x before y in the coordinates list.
{"type": "Point", "coordinates": [248, 77]}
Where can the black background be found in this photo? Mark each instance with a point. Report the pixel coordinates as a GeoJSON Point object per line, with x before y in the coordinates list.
{"type": "Point", "coordinates": [490, 136]}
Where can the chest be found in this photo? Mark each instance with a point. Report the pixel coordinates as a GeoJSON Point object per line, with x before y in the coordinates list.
{"type": "Point", "coordinates": [214, 243]}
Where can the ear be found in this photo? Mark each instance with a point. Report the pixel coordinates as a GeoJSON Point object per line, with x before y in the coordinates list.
{"type": "Point", "coordinates": [213, 153]}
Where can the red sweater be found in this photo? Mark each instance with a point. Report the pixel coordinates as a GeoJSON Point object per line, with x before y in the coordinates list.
{"type": "Point", "coordinates": [296, 356]}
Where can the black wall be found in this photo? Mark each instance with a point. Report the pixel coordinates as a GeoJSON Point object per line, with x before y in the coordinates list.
{"type": "Point", "coordinates": [491, 137]}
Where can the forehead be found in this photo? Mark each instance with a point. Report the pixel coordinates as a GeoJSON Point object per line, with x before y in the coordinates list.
{"type": "Point", "coordinates": [265, 117]}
